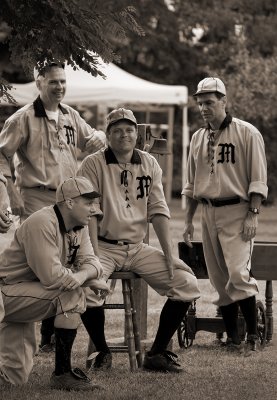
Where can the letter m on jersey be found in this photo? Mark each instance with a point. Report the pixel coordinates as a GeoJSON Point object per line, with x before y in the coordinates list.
{"type": "Point", "coordinates": [227, 153]}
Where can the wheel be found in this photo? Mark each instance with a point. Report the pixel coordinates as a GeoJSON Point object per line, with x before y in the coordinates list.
{"type": "Point", "coordinates": [182, 333]}
{"type": "Point", "coordinates": [261, 323]}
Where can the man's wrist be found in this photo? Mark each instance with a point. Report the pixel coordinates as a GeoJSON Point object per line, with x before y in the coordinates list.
{"type": "Point", "coordinates": [254, 210]}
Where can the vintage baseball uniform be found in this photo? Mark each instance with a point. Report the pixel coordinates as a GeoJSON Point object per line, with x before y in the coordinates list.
{"type": "Point", "coordinates": [131, 194]}
{"type": "Point", "coordinates": [227, 164]}
{"type": "Point", "coordinates": [32, 269]}
{"type": "Point", "coordinates": [45, 151]}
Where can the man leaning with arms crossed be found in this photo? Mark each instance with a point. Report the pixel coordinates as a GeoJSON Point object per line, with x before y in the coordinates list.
{"type": "Point", "coordinates": [226, 172]}
{"type": "Point", "coordinates": [44, 273]}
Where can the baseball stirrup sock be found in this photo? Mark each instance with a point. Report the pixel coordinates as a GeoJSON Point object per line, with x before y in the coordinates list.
{"type": "Point", "coordinates": [47, 330]}
{"type": "Point", "coordinates": [171, 317]}
{"type": "Point", "coordinates": [230, 318]}
{"type": "Point", "coordinates": [94, 321]}
{"type": "Point", "coordinates": [64, 342]}
{"type": "Point", "coordinates": [249, 311]}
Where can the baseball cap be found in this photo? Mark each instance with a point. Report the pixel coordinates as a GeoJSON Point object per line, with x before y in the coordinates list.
{"type": "Point", "coordinates": [75, 187]}
{"type": "Point", "coordinates": [120, 114]}
{"type": "Point", "coordinates": [209, 85]}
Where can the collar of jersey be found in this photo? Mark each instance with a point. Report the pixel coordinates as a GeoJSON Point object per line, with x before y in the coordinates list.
{"type": "Point", "coordinates": [40, 110]}
{"type": "Point", "coordinates": [226, 122]}
{"type": "Point", "coordinates": [111, 158]}
{"type": "Point", "coordinates": [61, 221]}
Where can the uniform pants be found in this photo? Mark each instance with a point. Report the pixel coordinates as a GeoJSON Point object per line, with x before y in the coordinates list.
{"type": "Point", "coordinates": [36, 199]}
{"type": "Point", "coordinates": [149, 263]}
{"type": "Point", "coordinates": [24, 304]}
{"type": "Point", "coordinates": [227, 256]}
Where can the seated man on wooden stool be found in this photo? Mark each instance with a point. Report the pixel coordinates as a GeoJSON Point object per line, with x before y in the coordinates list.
{"type": "Point", "coordinates": [130, 183]}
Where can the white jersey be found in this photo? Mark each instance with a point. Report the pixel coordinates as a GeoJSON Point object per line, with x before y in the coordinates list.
{"type": "Point", "coordinates": [237, 168]}
{"type": "Point", "coordinates": [131, 194]}
{"type": "Point", "coordinates": [46, 151]}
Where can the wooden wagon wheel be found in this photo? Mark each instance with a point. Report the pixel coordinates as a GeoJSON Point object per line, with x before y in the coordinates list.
{"type": "Point", "coordinates": [182, 333]}
{"type": "Point", "coordinates": [261, 323]}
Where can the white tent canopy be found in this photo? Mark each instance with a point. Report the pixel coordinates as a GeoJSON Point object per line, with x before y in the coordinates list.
{"type": "Point", "coordinates": [118, 87]}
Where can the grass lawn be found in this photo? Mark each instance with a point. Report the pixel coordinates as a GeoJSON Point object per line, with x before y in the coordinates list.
{"type": "Point", "coordinates": [210, 373]}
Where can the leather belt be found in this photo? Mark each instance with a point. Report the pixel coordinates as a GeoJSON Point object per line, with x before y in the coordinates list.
{"type": "Point", "coordinates": [111, 241]}
{"type": "Point", "coordinates": [43, 188]}
{"type": "Point", "coordinates": [221, 202]}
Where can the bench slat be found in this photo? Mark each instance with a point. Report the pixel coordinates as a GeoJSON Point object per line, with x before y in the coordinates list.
{"type": "Point", "coordinates": [264, 259]}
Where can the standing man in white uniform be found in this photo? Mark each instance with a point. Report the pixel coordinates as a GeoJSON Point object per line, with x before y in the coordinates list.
{"type": "Point", "coordinates": [226, 172]}
{"type": "Point", "coordinates": [44, 137]}
{"type": "Point", "coordinates": [130, 183]}
{"type": "Point", "coordinates": [44, 273]}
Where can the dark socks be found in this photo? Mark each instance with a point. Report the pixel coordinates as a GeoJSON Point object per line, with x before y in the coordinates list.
{"type": "Point", "coordinates": [249, 312]}
{"type": "Point", "coordinates": [47, 330]}
{"type": "Point", "coordinates": [171, 317]}
{"type": "Point", "coordinates": [230, 318]}
{"type": "Point", "coordinates": [64, 342]}
{"type": "Point", "coordinates": [94, 321]}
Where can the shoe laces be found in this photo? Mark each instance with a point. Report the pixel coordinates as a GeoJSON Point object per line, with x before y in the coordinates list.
{"type": "Point", "coordinates": [80, 374]}
{"type": "Point", "coordinates": [172, 357]}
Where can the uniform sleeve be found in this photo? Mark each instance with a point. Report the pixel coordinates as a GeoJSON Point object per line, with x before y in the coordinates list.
{"type": "Point", "coordinates": [257, 165]}
{"type": "Point", "coordinates": [156, 202]}
{"type": "Point", "coordinates": [11, 137]}
{"type": "Point", "coordinates": [85, 255]}
{"type": "Point", "coordinates": [42, 253]}
{"type": "Point", "coordinates": [188, 189]}
{"type": "Point", "coordinates": [84, 130]}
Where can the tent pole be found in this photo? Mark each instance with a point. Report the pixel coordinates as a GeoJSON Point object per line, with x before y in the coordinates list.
{"type": "Point", "coordinates": [185, 143]}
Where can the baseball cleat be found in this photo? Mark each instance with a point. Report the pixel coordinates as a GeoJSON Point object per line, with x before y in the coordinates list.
{"type": "Point", "coordinates": [163, 362]}
{"type": "Point", "coordinates": [73, 380]}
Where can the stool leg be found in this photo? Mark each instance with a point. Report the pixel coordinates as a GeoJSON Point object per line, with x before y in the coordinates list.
{"type": "Point", "coordinates": [129, 324]}
{"type": "Point", "coordinates": [135, 326]}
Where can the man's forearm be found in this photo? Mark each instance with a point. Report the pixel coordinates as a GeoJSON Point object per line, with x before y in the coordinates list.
{"type": "Point", "coordinates": [161, 226]}
{"type": "Point", "coordinates": [255, 200]}
{"type": "Point", "coordinates": [190, 208]}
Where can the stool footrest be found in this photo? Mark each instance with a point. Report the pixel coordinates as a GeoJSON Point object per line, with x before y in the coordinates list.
{"type": "Point", "coordinates": [114, 306]}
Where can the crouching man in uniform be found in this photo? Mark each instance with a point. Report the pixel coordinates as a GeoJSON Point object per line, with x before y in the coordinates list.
{"type": "Point", "coordinates": [43, 273]}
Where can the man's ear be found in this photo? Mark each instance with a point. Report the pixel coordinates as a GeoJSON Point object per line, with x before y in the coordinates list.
{"type": "Point", "coordinates": [38, 84]}
{"type": "Point", "coordinates": [224, 101]}
{"type": "Point", "coordinates": [69, 203]}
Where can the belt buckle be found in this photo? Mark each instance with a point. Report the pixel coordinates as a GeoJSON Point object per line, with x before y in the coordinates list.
{"type": "Point", "coordinates": [207, 202]}
{"type": "Point", "coordinates": [120, 243]}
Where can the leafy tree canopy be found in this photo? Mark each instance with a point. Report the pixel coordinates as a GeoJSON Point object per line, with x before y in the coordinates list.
{"type": "Point", "coordinates": [37, 31]}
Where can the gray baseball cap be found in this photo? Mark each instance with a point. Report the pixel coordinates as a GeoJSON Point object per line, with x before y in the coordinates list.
{"type": "Point", "coordinates": [75, 187]}
{"type": "Point", "coordinates": [119, 115]}
{"type": "Point", "coordinates": [210, 85]}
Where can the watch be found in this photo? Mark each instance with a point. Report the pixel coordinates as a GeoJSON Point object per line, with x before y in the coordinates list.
{"type": "Point", "coordinates": [254, 210]}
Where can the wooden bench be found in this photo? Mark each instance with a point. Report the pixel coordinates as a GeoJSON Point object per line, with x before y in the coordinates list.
{"type": "Point", "coordinates": [264, 267]}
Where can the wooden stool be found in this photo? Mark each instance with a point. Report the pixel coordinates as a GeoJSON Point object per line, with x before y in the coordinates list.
{"type": "Point", "coordinates": [132, 335]}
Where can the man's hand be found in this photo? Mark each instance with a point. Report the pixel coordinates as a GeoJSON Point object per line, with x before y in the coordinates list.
{"type": "Point", "coordinates": [249, 226]}
{"type": "Point", "coordinates": [188, 234]}
{"type": "Point", "coordinates": [100, 288]}
{"type": "Point", "coordinates": [179, 264]}
{"type": "Point", "coordinates": [96, 141]}
{"type": "Point", "coordinates": [16, 202]}
{"type": "Point", "coordinates": [73, 281]}
{"type": "Point", "coordinates": [5, 222]}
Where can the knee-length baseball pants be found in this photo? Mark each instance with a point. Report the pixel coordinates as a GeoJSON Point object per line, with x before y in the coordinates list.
{"type": "Point", "coordinates": [24, 304]}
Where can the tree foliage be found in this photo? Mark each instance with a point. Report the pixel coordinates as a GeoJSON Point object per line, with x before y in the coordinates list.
{"type": "Point", "coordinates": [77, 31]}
